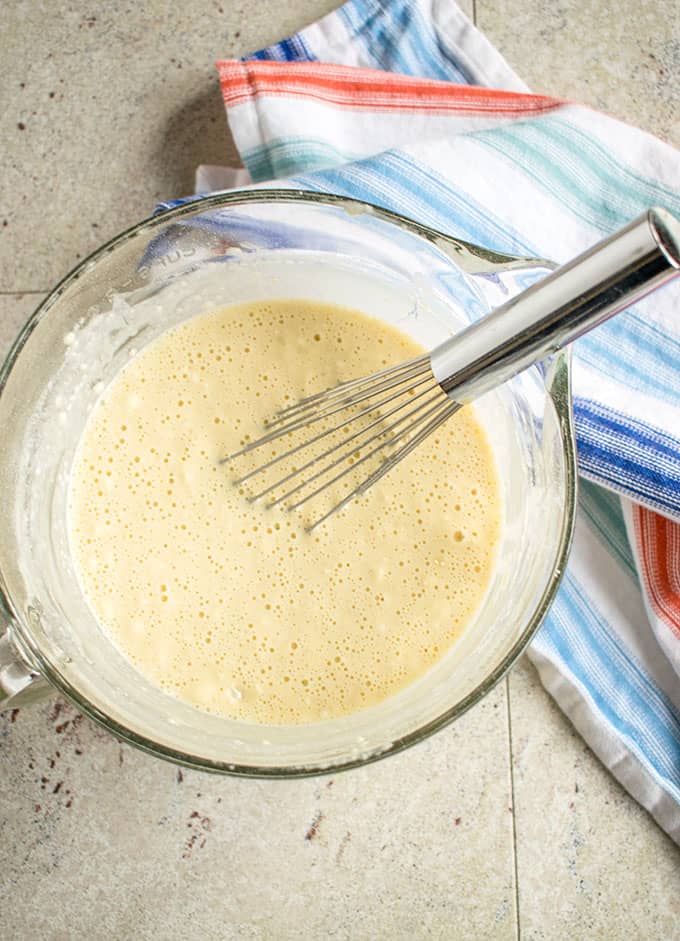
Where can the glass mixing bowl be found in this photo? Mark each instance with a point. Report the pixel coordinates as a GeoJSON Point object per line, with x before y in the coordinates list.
{"type": "Point", "coordinates": [208, 253]}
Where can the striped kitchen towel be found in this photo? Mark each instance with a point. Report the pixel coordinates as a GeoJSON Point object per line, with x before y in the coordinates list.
{"type": "Point", "coordinates": [389, 101]}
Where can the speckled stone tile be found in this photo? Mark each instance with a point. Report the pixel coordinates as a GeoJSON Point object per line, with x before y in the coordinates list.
{"type": "Point", "coordinates": [620, 58]}
{"type": "Point", "coordinates": [591, 862]}
{"type": "Point", "coordinates": [105, 108]}
{"type": "Point", "coordinates": [100, 841]}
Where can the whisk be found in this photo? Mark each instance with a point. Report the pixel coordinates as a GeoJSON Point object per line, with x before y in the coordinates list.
{"type": "Point", "coordinates": [361, 429]}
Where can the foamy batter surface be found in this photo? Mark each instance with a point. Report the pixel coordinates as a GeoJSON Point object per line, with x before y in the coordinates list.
{"type": "Point", "coordinates": [236, 608]}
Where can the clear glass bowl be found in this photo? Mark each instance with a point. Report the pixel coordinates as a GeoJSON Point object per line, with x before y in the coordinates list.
{"type": "Point", "coordinates": [267, 243]}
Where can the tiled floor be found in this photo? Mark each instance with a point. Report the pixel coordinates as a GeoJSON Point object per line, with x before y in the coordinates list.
{"type": "Point", "coordinates": [501, 826]}
{"type": "Point", "coordinates": [621, 58]}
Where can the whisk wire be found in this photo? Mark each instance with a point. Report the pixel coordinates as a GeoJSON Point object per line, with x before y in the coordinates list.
{"type": "Point", "coordinates": [417, 364]}
{"type": "Point", "coordinates": [328, 410]}
{"type": "Point", "coordinates": [391, 413]}
{"type": "Point", "coordinates": [328, 431]}
{"type": "Point", "coordinates": [362, 460]}
{"type": "Point", "coordinates": [306, 421]}
{"type": "Point", "coordinates": [327, 468]}
{"type": "Point", "coordinates": [445, 413]}
{"type": "Point", "coordinates": [379, 420]}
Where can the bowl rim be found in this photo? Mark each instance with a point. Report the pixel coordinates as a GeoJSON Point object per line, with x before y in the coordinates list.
{"type": "Point", "coordinates": [468, 256]}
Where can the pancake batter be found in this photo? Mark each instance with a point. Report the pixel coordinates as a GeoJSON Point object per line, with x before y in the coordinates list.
{"type": "Point", "coordinates": [233, 607]}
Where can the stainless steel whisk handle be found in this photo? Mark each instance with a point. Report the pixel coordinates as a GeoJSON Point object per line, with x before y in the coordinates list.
{"type": "Point", "coordinates": [564, 305]}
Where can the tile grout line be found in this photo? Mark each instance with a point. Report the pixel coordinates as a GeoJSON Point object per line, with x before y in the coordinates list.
{"type": "Point", "coordinates": [474, 12]}
{"type": "Point", "coordinates": [22, 293]}
{"type": "Point", "coordinates": [514, 808]}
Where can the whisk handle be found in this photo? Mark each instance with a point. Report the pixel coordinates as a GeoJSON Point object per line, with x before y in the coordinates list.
{"type": "Point", "coordinates": [569, 302]}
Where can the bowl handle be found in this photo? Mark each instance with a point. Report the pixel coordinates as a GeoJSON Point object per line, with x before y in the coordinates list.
{"type": "Point", "coordinates": [20, 683]}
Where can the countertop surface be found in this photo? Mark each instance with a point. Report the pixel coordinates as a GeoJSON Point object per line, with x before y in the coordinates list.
{"type": "Point", "coordinates": [503, 825]}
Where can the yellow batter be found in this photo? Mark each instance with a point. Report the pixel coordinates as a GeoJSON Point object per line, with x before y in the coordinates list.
{"type": "Point", "coordinates": [233, 607]}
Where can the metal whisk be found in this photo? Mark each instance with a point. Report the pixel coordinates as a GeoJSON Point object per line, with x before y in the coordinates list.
{"type": "Point", "coordinates": [365, 427]}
